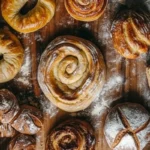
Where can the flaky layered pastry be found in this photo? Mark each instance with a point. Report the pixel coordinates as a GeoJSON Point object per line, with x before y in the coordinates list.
{"type": "Point", "coordinates": [131, 33]}
{"type": "Point", "coordinates": [22, 142]}
{"type": "Point", "coordinates": [25, 119]}
{"type": "Point", "coordinates": [33, 20]}
{"type": "Point", "coordinates": [86, 10]}
{"type": "Point", "coordinates": [72, 134]}
{"type": "Point", "coordinates": [11, 55]}
{"type": "Point", "coordinates": [127, 126]}
{"type": "Point", "coordinates": [71, 73]}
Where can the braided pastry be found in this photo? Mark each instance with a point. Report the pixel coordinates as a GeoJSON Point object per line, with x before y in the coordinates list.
{"type": "Point", "coordinates": [35, 19]}
{"type": "Point", "coordinates": [27, 119]}
{"type": "Point", "coordinates": [22, 142]}
{"type": "Point", "coordinates": [131, 33]}
{"type": "Point", "coordinates": [70, 72]}
{"type": "Point", "coordinates": [127, 126]}
{"type": "Point", "coordinates": [85, 10]}
{"type": "Point", "coordinates": [71, 135]}
{"type": "Point", "coordinates": [11, 55]}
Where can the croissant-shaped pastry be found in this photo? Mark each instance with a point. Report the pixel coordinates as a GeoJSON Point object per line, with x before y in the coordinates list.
{"type": "Point", "coordinates": [22, 142]}
{"type": "Point", "coordinates": [70, 72]}
{"type": "Point", "coordinates": [25, 119]}
{"type": "Point", "coordinates": [33, 20]}
{"type": "Point", "coordinates": [131, 33]}
{"type": "Point", "coordinates": [73, 134]}
{"type": "Point", "coordinates": [85, 10]}
{"type": "Point", "coordinates": [11, 55]}
{"type": "Point", "coordinates": [127, 126]}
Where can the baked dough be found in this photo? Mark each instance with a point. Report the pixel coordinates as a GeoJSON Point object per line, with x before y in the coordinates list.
{"type": "Point", "coordinates": [72, 134]}
{"type": "Point", "coordinates": [71, 73]}
{"type": "Point", "coordinates": [11, 53]}
{"type": "Point", "coordinates": [86, 10]}
{"type": "Point", "coordinates": [22, 142]}
{"type": "Point", "coordinates": [35, 19]}
{"type": "Point", "coordinates": [131, 33]}
{"type": "Point", "coordinates": [127, 126]}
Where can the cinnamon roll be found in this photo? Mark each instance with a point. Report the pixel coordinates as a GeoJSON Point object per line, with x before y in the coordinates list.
{"type": "Point", "coordinates": [33, 20]}
{"type": "Point", "coordinates": [22, 142]}
{"type": "Point", "coordinates": [131, 33]}
{"type": "Point", "coordinates": [86, 10]}
{"type": "Point", "coordinates": [127, 126]}
{"type": "Point", "coordinates": [72, 134]}
{"type": "Point", "coordinates": [71, 73]}
{"type": "Point", "coordinates": [11, 56]}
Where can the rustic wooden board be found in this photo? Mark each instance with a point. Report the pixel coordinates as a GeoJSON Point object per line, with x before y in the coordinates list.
{"type": "Point", "coordinates": [126, 79]}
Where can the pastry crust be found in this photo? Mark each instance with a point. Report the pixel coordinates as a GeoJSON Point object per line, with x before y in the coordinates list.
{"type": "Point", "coordinates": [86, 10]}
{"type": "Point", "coordinates": [22, 142]}
{"type": "Point", "coordinates": [131, 33]}
{"type": "Point", "coordinates": [12, 56]}
{"type": "Point", "coordinates": [35, 19]}
{"type": "Point", "coordinates": [127, 123]}
{"type": "Point", "coordinates": [71, 71]}
{"type": "Point", "coordinates": [72, 134]}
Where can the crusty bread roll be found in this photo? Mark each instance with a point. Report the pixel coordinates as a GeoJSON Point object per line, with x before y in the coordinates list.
{"type": "Point", "coordinates": [11, 52]}
{"type": "Point", "coordinates": [127, 126]}
{"type": "Point", "coordinates": [35, 19]}
{"type": "Point", "coordinates": [85, 10]}
{"type": "Point", "coordinates": [71, 73]}
{"type": "Point", "coordinates": [72, 134]}
{"type": "Point", "coordinates": [22, 142]}
{"type": "Point", "coordinates": [25, 119]}
{"type": "Point", "coordinates": [131, 33]}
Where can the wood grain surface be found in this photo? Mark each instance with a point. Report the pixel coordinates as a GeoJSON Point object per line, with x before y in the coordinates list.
{"type": "Point", "coordinates": [125, 81]}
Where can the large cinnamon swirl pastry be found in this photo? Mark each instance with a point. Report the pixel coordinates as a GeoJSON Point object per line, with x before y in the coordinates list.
{"type": "Point", "coordinates": [85, 10]}
{"type": "Point", "coordinates": [71, 135]}
{"type": "Point", "coordinates": [71, 73]}
{"type": "Point", "coordinates": [131, 33]}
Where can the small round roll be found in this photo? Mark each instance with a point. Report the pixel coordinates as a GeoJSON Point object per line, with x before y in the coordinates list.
{"type": "Point", "coordinates": [131, 33]}
{"type": "Point", "coordinates": [72, 134]}
{"type": "Point", "coordinates": [86, 10]}
{"type": "Point", "coordinates": [22, 142]}
{"type": "Point", "coordinates": [32, 21]}
{"type": "Point", "coordinates": [11, 56]}
{"type": "Point", "coordinates": [71, 73]}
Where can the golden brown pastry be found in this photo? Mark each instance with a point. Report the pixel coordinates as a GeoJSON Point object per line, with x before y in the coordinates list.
{"type": "Point", "coordinates": [35, 19]}
{"type": "Point", "coordinates": [22, 142]}
{"type": "Point", "coordinates": [86, 10]}
{"type": "Point", "coordinates": [25, 119]}
{"type": "Point", "coordinates": [148, 74]}
{"type": "Point", "coordinates": [28, 120]}
{"type": "Point", "coordinates": [11, 55]}
{"type": "Point", "coordinates": [127, 126]}
{"type": "Point", "coordinates": [131, 33]}
{"type": "Point", "coordinates": [72, 134]}
{"type": "Point", "coordinates": [71, 73]}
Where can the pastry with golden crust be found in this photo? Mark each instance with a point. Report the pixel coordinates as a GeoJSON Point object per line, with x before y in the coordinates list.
{"type": "Point", "coordinates": [33, 20]}
{"type": "Point", "coordinates": [86, 10]}
{"type": "Point", "coordinates": [22, 142]}
{"type": "Point", "coordinates": [72, 134]}
{"type": "Point", "coordinates": [127, 126]}
{"type": "Point", "coordinates": [131, 33]}
{"type": "Point", "coordinates": [71, 73]}
{"type": "Point", "coordinates": [11, 55]}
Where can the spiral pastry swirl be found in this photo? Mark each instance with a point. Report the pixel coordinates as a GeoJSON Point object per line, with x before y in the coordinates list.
{"type": "Point", "coordinates": [22, 142]}
{"type": "Point", "coordinates": [131, 33]}
{"type": "Point", "coordinates": [85, 10]}
{"type": "Point", "coordinates": [70, 72]}
{"type": "Point", "coordinates": [72, 134]}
